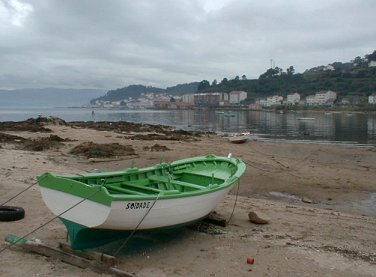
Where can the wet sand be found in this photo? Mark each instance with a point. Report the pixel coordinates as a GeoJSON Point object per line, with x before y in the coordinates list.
{"type": "Point", "coordinates": [330, 233]}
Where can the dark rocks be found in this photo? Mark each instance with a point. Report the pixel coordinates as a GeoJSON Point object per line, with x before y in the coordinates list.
{"type": "Point", "coordinates": [106, 150]}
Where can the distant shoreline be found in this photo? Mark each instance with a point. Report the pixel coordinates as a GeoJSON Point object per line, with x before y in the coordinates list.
{"type": "Point", "coordinates": [235, 109]}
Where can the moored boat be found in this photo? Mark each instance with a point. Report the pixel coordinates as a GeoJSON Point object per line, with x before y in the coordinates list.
{"type": "Point", "coordinates": [306, 118]}
{"type": "Point", "coordinates": [239, 138]}
{"type": "Point", "coordinates": [99, 207]}
{"type": "Point", "coordinates": [229, 114]}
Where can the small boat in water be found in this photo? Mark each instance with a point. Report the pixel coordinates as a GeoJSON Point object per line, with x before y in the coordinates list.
{"type": "Point", "coordinates": [306, 118]}
{"type": "Point", "coordinates": [229, 114]}
{"type": "Point", "coordinates": [98, 208]}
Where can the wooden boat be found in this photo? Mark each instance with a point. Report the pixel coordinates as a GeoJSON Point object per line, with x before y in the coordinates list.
{"type": "Point", "coordinates": [97, 208]}
{"type": "Point", "coordinates": [239, 138]}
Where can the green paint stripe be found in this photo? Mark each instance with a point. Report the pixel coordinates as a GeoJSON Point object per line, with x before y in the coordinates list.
{"type": "Point", "coordinates": [72, 184]}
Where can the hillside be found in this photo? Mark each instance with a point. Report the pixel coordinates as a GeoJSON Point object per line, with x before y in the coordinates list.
{"type": "Point", "coordinates": [353, 80]}
{"type": "Point", "coordinates": [134, 91]}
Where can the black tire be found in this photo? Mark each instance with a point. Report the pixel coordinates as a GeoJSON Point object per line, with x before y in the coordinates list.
{"type": "Point", "coordinates": [9, 213]}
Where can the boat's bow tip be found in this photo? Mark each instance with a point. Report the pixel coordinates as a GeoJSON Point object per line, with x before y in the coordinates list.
{"type": "Point", "coordinates": [43, 176]}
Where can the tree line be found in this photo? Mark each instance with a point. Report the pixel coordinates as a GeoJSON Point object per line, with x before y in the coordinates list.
{"type": "Point", "coordinates": [350, 80]}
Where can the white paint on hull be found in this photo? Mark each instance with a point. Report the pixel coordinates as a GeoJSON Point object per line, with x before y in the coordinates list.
{"type": "Point", "coordinates": [87, 213]}
{"type": "Point", "coordinates": [165, 212]}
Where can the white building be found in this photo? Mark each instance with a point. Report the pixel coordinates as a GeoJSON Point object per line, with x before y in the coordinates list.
{"type": "Point", "coordinates": [188, 98]}
{"type": "Point", "coordinates": [271, 101]}
{"type": "Point", "coordinates": [293, 99]}
{"type": "Point", "coordinates": [372, 64]}
{"type": "Point", "coordinates": [321, 98]}
{"type": "Point", "coordinates": [237, 96]}
{"type": "Point", "coordinates": [372, 98]}
{"type": "Point", "coordinates": [275, 100]}
{"type": "Point", "coordinates": [311, 100]}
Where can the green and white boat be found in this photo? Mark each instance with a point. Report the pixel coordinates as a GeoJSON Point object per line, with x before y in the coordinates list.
{"type": "Point", "coordinates": [98, 208]}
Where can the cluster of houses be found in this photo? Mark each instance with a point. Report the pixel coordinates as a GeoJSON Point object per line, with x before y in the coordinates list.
{"type": "Point", "coordinates": [145, 101]}
{"type": "Point", "coordinates": [221, 99]}
{"type": "Point", "coordinates": [212, 99]}
{"type": "Point", "coordinates": [319, 99]}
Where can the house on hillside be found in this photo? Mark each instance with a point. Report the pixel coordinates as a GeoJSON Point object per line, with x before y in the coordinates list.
{"type": "Point", "coordinates": [293, 99]}
{"type": "Point", "coordinates": [321, 98]}
{"type": "Point", "coordinates": [236, 97]}
{"type": "Point", "coordinates": [270, 101]}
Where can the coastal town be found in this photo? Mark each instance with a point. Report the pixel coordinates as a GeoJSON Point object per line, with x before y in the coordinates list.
{"type": "Point", "coordinates": [233, 99]}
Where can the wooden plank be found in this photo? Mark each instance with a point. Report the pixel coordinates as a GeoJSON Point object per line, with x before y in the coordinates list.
{"type": "Point", "coordinates": [123, 190]}
{"type": "Point", "coordinates": [166, 180]}
{"type": "Point", "coordinates": [90, 255]}
{"type": "Point", "coordinates": [158, 178]}
{"type": "Point", "coordinates": [141, 187]}
{"type": "Point", "coordinates": [39, 248]}
{"type": "Point", "coordinates": [189, 185]}
{"type": "Point", "coordinates": [162, 179]}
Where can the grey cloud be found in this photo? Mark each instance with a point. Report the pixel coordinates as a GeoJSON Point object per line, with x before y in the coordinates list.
{"type": "Point", "coordinates": [110, 44]}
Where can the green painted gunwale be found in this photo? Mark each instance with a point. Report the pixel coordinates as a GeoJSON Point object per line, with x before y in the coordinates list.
{"type": "Point", "coordinates": [74, 183]}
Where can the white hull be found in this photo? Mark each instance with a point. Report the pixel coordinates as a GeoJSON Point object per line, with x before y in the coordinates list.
{"type": "Point", "coordinates": [126, 215]}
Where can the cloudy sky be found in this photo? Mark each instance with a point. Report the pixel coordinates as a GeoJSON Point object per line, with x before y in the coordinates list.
{"type": "Point", "coordinates": [110, 44]}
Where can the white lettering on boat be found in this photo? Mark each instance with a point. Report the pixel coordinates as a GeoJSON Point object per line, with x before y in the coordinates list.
{"type": "Point", "coordinates": [137, 205]}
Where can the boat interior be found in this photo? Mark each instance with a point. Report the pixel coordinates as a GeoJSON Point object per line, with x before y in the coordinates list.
{"type": "Point", "coordinates": [164, 179]}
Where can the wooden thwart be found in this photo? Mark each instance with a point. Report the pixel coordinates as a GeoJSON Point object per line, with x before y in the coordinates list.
{"type": "Point", "coordinates": [167, 180]}
{"type": "Point", "coordinates": [93, 260]}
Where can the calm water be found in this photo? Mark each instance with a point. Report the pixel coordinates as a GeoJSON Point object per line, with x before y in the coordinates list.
{"type": "Point", "coordinates": [345, 128]}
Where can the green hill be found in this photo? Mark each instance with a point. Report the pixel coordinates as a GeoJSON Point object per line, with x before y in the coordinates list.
{"type": "Point", "coordinates": [135, 91]}
{"type": "Point", "coordinates": [354, 80]}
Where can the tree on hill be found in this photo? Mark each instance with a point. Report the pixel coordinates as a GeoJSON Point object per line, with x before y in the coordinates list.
{"type": "Point", "coordinates": [203, 85]}
{"type": "Point", "coordinates": [371, 57]}
{"type": "Point", "coordinates": [290, 70]}
{"type": "Point", "coordinates": [271, 72]}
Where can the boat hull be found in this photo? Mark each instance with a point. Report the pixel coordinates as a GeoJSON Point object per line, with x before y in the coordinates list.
{"type": "Point", "coordinates": [126, 215]}
{"type": "Point", "coordinates": [100, 207]}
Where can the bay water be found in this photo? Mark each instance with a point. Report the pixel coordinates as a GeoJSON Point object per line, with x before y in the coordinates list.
{"type": "Point", "coordinates": [303, 127]}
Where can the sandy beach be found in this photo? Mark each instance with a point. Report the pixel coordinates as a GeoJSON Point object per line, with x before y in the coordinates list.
{"type": "Point", "coordinates": [320, 201]}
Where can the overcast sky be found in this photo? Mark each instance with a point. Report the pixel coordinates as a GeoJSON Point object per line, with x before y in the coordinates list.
{"type": "Point", "coordinates": [111, 44]}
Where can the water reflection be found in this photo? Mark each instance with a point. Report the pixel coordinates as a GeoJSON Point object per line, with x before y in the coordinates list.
{"type": "Point", "coordinates": [320, 126]}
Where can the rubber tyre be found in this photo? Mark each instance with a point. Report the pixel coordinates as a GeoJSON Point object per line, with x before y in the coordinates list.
{"type": "Point", "coordinates": [9, 213]}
